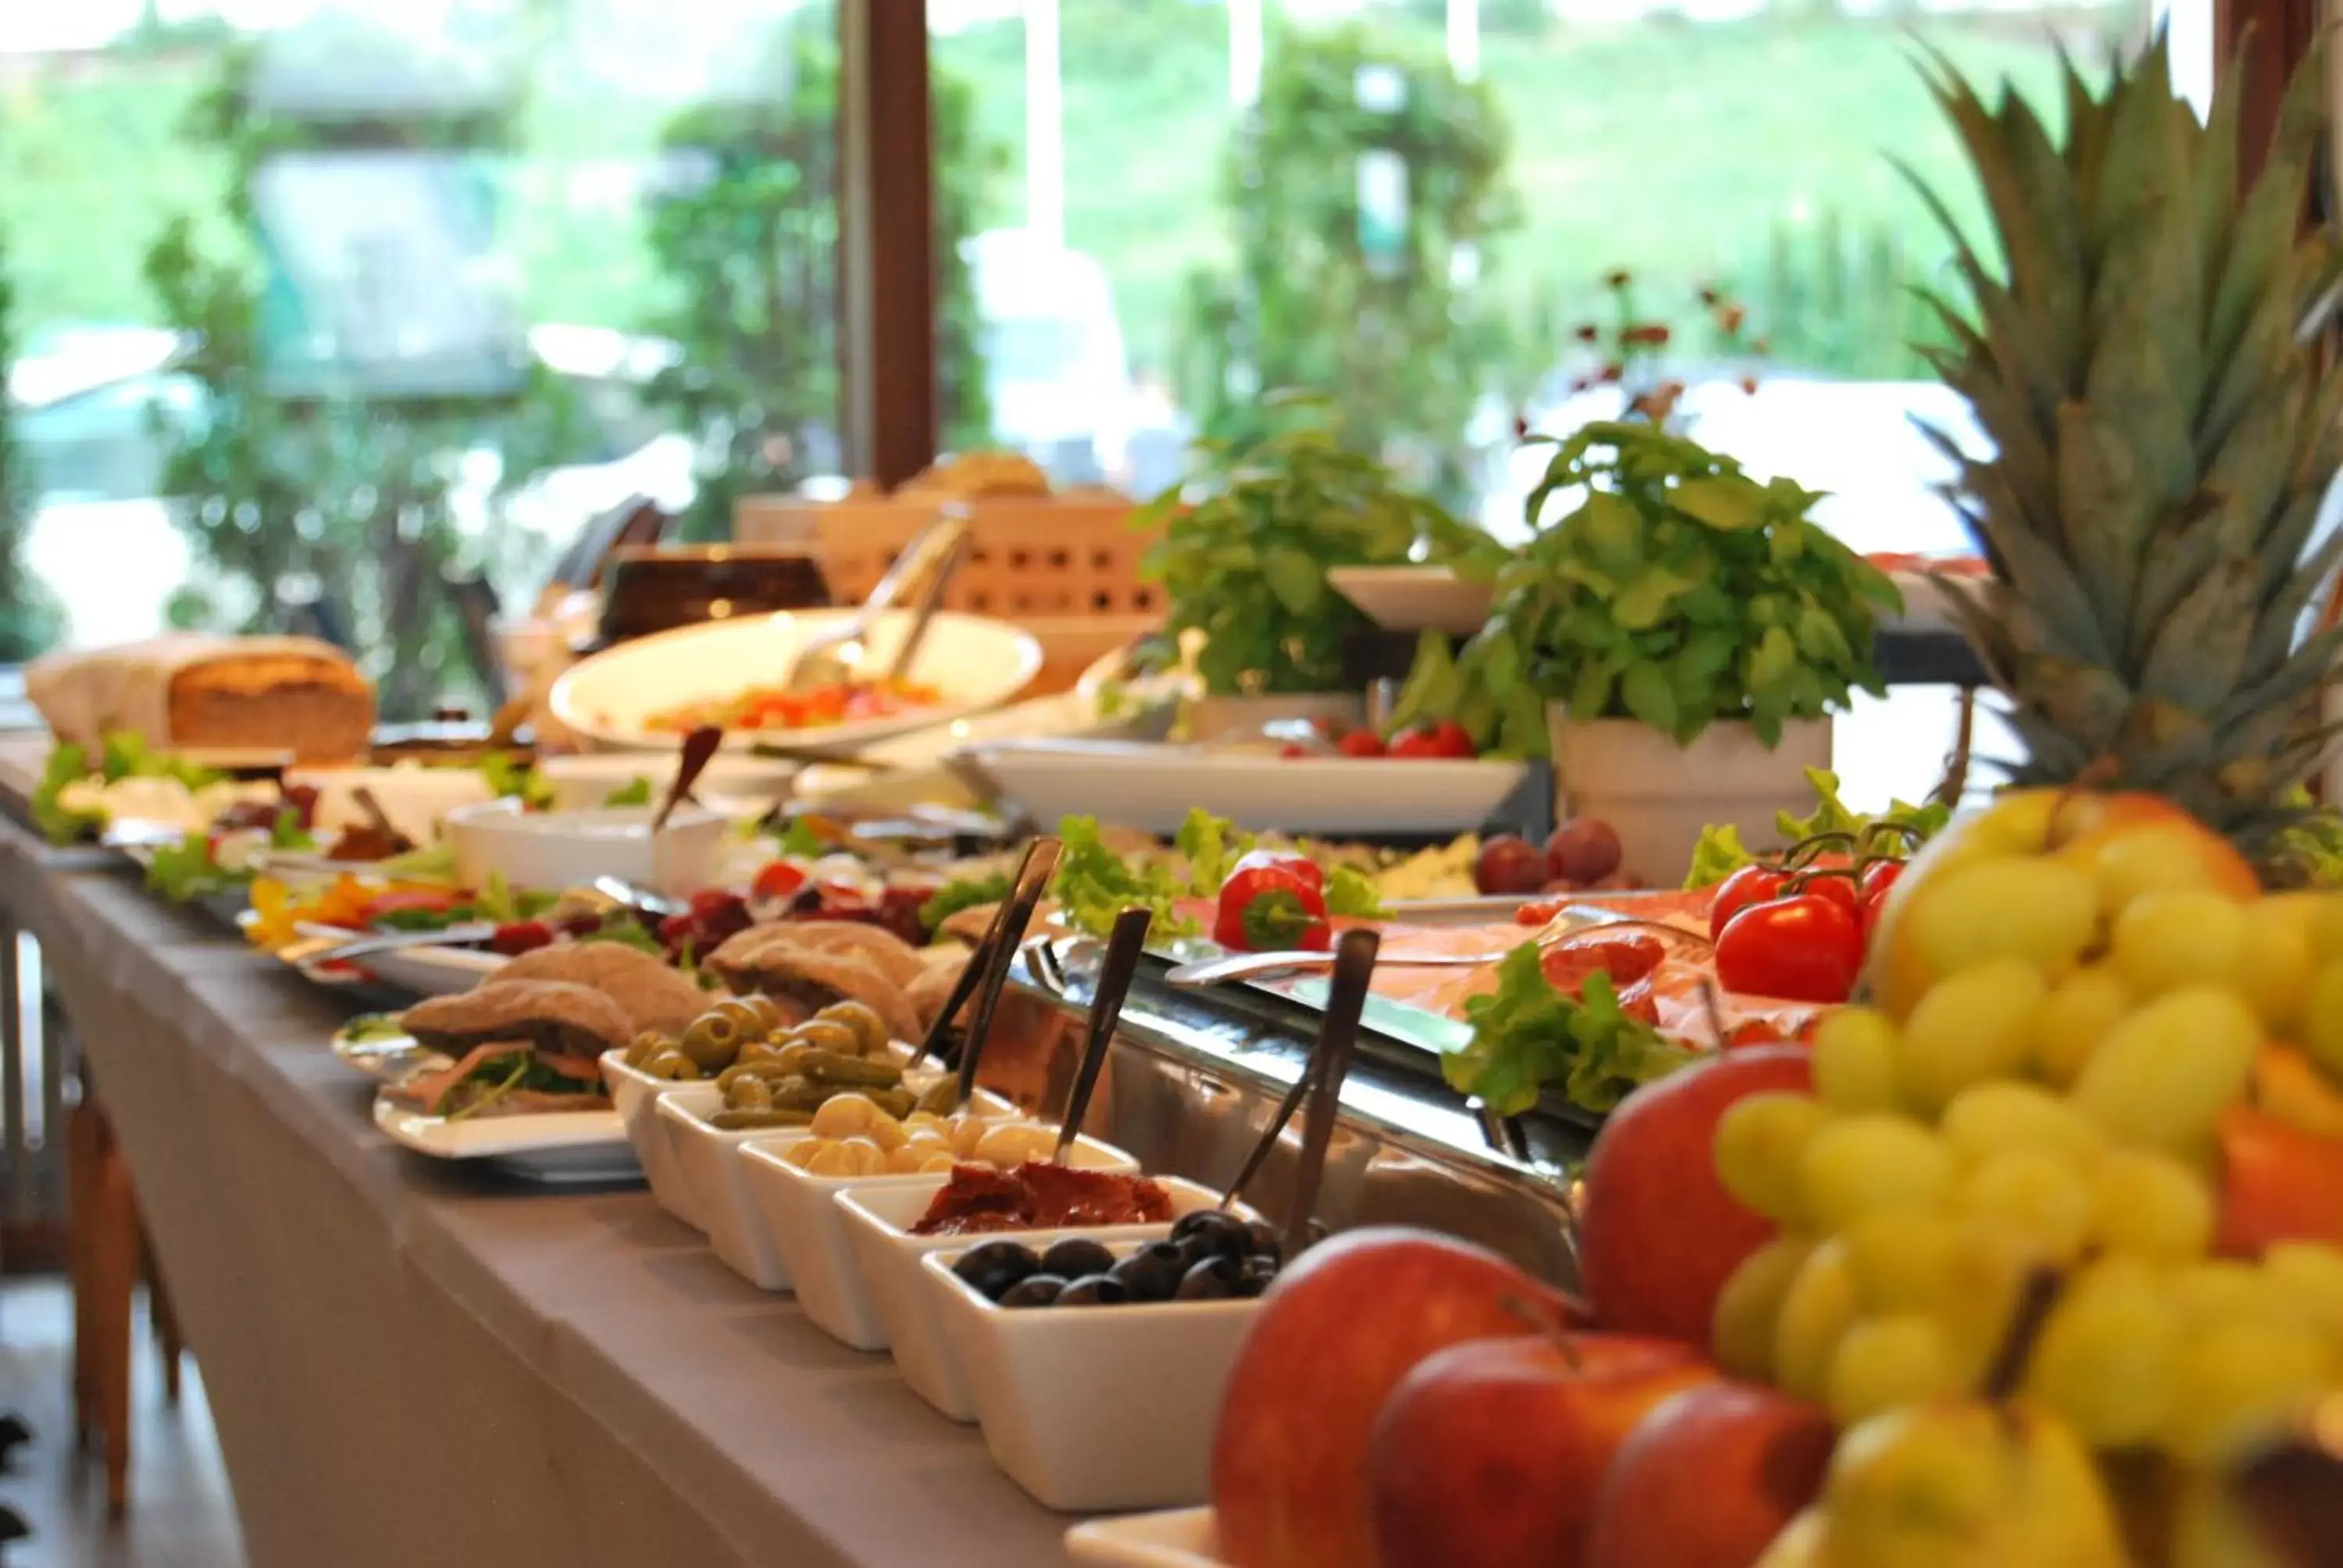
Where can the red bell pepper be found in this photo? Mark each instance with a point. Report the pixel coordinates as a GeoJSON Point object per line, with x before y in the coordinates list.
{"type": "Point", "coordinates": [1274, 901]}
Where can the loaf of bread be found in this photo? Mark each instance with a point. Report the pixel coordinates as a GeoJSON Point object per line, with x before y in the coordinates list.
{"type": "Point", "coordinates": [191, 692]}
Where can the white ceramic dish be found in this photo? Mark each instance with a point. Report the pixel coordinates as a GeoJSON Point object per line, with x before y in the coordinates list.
{"type": "Point", "coordinates": [1172, 1538]}
{"type": "Point", "coordinates": [715, 1187]}
{"type": "Point", "coordinates": [1094, 1409]}
{"type": "Point", "coordinates": [433, 970]}
{"type": "Point", "coordinates": [1151, 788]}
{"type": "Point", "coordinates": [555, 1146]}
{"type": "Point", "coordinates": [550, 850]}
{"type": "Point", "coordinates": [609, 700]}
{"type": "Point", "coordinates": [637, 1094]}
{"type": "Point", "coordinates": [732, 786]}
{"type": "Point", "coordinates": [799, 1211]}
{"type": "Point", "coordinates": [416, 798]}
{"type": "Point", "coordinates": [878, 1221]}
{"type": "Point", "coordinates": [1415, 598]}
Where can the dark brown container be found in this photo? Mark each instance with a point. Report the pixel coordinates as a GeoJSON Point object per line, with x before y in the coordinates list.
{"type": "Point", "coordinates": [658, 589]}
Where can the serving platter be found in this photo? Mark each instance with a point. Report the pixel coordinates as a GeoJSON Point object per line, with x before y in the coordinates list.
{"type": "Point", "coordinates": [553, 1147]}
{"type": "Point", "coordinates": [1168, 1538]}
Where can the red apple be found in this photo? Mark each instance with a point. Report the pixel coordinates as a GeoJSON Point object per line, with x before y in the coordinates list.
{"type": "Point", "coordinates": [1709, 1479]}
{"type": "Point", "coordinates": [1659, 1236]}
{"type": "Point", "coordinates": [2279, 1183]}
{"type": "Point", "coordinates": [1492, 1454]}
{"type": "Point", "coordinates": [1336, 1333]}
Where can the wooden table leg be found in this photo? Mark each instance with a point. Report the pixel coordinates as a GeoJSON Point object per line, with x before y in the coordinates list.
{"type": "Point", "coordinates": [83, 1136]}
{"type": "Point", "coordinates": [163, 1318]}
{"type": "Point", "coordinates": [113, 1242]}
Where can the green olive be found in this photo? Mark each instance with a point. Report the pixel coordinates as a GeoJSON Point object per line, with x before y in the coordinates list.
{"type": "Point", "coordinates": [645, 1046]}
{"type": "Point", "coordinates": [744, 1013]}
{"type": "Point", "coordinates": [769, 1018]}
{"type": "Point", "coordinates": [713, 1040]}
{"type": "Point", "coordinates": [941, 1098]}
{"type": "Point", "coordinates": [749, 1094]}
{"type": "Point", "coordinates": [740, 1070]}
{"type": "Point", "coordinates": [870, 1029]}
{"type": "Point", "coordinates": [824, 1034]}
{"type": "Point", "coordinates": [671, 1064]}
{"type": "Point", "coordinates": [762, 1052]}
{"type": "Point", "coordinates": [750, 1121]}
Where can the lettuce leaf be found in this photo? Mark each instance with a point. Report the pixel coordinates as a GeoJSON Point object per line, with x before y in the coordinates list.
{"type": "Point", "coordinates": [1350, 891]}
{"type": "Point", "coordinates": [1094, 884]}
{"type": "Point", "coordinates": [963, 893]}
{"type": "Point", "coordinates": [186, 870]}
{"type": "Point", "coordinates": [1528, 1036]}
{"type": "Point", "coordinates": [1721, 852]}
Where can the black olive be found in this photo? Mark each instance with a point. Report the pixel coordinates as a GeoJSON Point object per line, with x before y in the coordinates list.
{"type": "Point", "coordinates": [1253, 1281]}
{"type": "Point", "coordinates": [1095, 1290]}
{"type": "Point", "coordinates": [1034, 1291]}
{"type": "Point", "coordinates": [1213, 1280]}
{"type": "Point", "coordinates": [992, 1267]}
{"type": "Point", "coordinates": [1266, 1241]}
{"type": "Point", "coordinates": [1210, 1230]}
{"type": "Point", "coordinates": [1152, 1273]}
{"type": "Point", "coordinates": [1075, 1257]}
{"type": "Point", "coordinates": [1265, 1265]}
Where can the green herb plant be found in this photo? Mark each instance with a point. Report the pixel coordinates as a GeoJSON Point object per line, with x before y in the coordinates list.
{"type": "Point", "coordinates": [1248, 539]}
{"type": "Point", "coordinates": [1721, 852]}
{"type": "Point", "coordinates": [1678, 592]}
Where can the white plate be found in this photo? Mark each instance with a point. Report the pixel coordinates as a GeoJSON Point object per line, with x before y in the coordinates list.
{"type": "Point", "coordinates": [1415, 598]}
{"type": "Point", "coordinates": [1152, 788]}
{"type": "Point", "coordinates": [553, 1146]}
{"type": "Point", "coordinates": [1174, 1538]}
{"type": "Point", "coordinates": [975, 663]}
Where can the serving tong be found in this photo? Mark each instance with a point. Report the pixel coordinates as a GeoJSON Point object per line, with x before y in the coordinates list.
{"type": "Point", "coordinates": [842, 655]}
{"type": "Point", "coordinates": [987, 970]}
{"type": "Point", "coordinates": [1125, 945]}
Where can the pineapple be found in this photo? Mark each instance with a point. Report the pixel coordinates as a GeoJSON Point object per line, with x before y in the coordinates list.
{"type": "Point", "coordinates": [2166, 428]}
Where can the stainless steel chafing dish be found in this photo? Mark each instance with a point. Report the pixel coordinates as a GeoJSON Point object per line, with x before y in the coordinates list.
{"type": "Point", "coordinates": [1194, 1078]}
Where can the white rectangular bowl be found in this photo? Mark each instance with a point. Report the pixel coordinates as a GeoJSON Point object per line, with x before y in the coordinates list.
{"type": "Point", "coordinates": [637, 1094]}
{"type": "Point", "coordinates": [1095, 1409]}
{"type": "Point", "coordinates": [799, 1211]}
{"type": "Point", "coordinates": [878, 1223]}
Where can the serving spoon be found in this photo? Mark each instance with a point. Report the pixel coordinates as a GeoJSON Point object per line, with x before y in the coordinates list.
{"type": "Point", "coordinates": [1008, 930]}
{"type": "Point", "coordinates": [1124, 946]}
{"type": "Point", "coordinates": [699, 749]}
{"type": "Point", "coordinates": [1338, 1044]}
{"type": "Point", "coordinates": [980, 960]}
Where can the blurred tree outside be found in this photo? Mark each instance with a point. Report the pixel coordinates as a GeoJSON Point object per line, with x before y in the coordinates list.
{"type": "Point", "coordinates": [1366, 194]}
{"type": "Point", "coordinates": [314, 496]}
{"type": "Point", "coordinates": [744, 250]}
{"type": "Point", "coordinates": [30, 616]}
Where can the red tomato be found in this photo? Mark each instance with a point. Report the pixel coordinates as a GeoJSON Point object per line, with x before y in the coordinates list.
{"type": "Point", "coordinates": [1804, 947]}
{"type": "Point", "coordinates": [1878, 877]}
{"type": "Point", "coordinates": [1839, 891]}
{"type": "Point", "coordinates": [1750, 885]}
{"type": "Point", "coordinates": [1360, 743]}
{"type": "Point", "coordinates": [1452, 740]}
{"type": "Point", "coordinates": [777, 881]}
{"type": "Point", "coordinates": [1295, 749]}
{"type": "Point", "coordinates": [411, 900]}
{"type": "Point", "coordinates": [1416, 743]}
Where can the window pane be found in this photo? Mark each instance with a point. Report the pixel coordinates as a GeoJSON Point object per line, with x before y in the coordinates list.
{"type": "Point", "coordinates": [321, 307]}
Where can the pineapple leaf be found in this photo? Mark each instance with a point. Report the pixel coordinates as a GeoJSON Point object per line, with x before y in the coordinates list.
{"type": "Point", "coordinates": [2104, 513]}
{"type": "Point", "coordinates": [2216, 185]}
{"type": "Point", "coordinates": [2279, 616]}
{"type": "Point", "coordinates": [2198, 653]}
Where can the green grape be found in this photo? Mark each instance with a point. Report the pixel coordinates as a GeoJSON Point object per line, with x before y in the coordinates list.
{"type": "Point", "coordinates": [1749, 1308]}
{"type": "Point", "coordinates": [1855, 1050]}
{"type": "Point", "coordinates": [1988, 1119]}
{"type": "Point", "coordinates": [1759, 1141]}
{"type": "Point", "coordinates": [1862, 1163]}
{"type": "Point", "coordinates": [1901, 1259]}
{"type": "Point", "coordinates": [2239, 1381]}
{"type": "Point", "coordinates": [1970, 1027]}
{"type": "Point", "coordinates": [2110, 1355]}
{"type": "Point", "coordinates": [2040, 1199]}
{"type": "Point", "coordinates": [2177, 938]}
{"type": "Point", "coordinates": [1984, 1276]}
{"type": "Point", "coordinates": [1883, 1364]}
{"type": "Point", "coordinates": [1815, 1311]}
{"type": "Point", "coordinates": [2309, 1276]}
{"type": "Point", "coordinates": [2163, 1076]}
{"type": "Point", "coordinates": [2215, 1290]}
{"type": "Point", "coordinates": [2148, 1205]}
{"type": "Point", "coordinates": [2322, 1034]}
{"type": "Point", "coordinates": [2072, 1020]}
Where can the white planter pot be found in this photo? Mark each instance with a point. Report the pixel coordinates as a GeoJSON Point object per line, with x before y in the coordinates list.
{"type": "Point", "coordinates": [1214, 718]}
{"type": "Point", "coordinates": [1658, 796]}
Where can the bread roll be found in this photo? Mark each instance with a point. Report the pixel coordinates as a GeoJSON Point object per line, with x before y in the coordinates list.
{"type": "Point", "coordinates": [276, 693]}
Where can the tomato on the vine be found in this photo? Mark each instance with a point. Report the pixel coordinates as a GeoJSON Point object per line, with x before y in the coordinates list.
{"type": "Point", "coordinates": [1805, 948]}
{"type": "Point", "coordinates": [1750, 885]}
{"type": "Point", "coordinates": [1877, 878]}
{"type": "Point", "coordinates": [1838, 888]}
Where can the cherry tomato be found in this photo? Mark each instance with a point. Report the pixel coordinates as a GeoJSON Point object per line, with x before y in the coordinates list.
{"type": "Point", "coordinates": [1879, 876]}
{"type": "Point", "coordinates": [1839, 891]}
{"type": "Point", "coordinates": [1416, 743]}
{"type": "Point", "coordinates": [1804, 947]}
{"type": "Point", "coordinates": [777, 881]}
{"type": "Point", "coordinates": [1295, 749]}
{"type": "Point", "coordinates": [1362, 743]}
{"type": "Point", "coordinates": [1750, 885]}
{"type": "Point", "coordinates": [1452, 740]}
{"type": "Point", "coordinates": [516, 936]}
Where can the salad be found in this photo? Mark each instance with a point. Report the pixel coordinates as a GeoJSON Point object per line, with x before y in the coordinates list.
{"type": "Point", "coordinates": [769, 707]}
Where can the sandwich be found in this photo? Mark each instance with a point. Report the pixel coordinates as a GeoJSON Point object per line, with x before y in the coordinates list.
{"type": "Point", "coordinates": [654, 994]}
{"type": "Point", "coordinates": [804, 977]}
{"type": "Point", "coordinates": [514, 1046]}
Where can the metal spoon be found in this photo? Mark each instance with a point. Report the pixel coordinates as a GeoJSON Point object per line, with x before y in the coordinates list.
{"type": "Point", "coordinates": [1270, 1135]}
{"type": "Point", "coordinates": [979, 962]}
{"type": "Point", "coordinates": [1338, 1043]}
{"type": "Point", "coordinates": [1124, 945]}
{"type": "Point", "coordinates": [625, 892]}
{"type": "Point", "coordinates": [950, 550]}
{"type": "Point", "coordinates": [698, 750]}
{"type": "Point", "coordinates": [835, 656]}
{"type": "Point", "coordinates": [1017, 913]}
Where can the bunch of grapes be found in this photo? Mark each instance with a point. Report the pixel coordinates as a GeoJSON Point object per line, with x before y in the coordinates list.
{"type": "Point", "coordinates": [2047, 1105]}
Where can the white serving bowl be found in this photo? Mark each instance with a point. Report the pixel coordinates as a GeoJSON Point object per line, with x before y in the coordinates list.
{"type": "Point", "coordinates": [546, 852]}
{"type": "Point", "coordinates": [715, 1187]}
{"type": "Point", "coordinates": [731, 785]}
{"type": "Point", "coordinates": [799, 1211]}
{"type": "Point", "coordinates": [609, 699]}
{"type": "Point", "coordinates": [636, 1094]}
{"type": "Point", "coordinates": [878, 1221]}
{"type": "Point", "coordinates": [1094, 1409]}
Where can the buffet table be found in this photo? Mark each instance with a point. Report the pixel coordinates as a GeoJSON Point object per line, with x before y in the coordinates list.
{"type": "Point", "coordinates": [408, 1365]}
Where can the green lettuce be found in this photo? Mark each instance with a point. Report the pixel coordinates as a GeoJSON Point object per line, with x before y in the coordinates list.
{"type": "Point", "coordinates": [1528, 1036]}
{"type": "Point", "coordinates": [1721, 852]}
